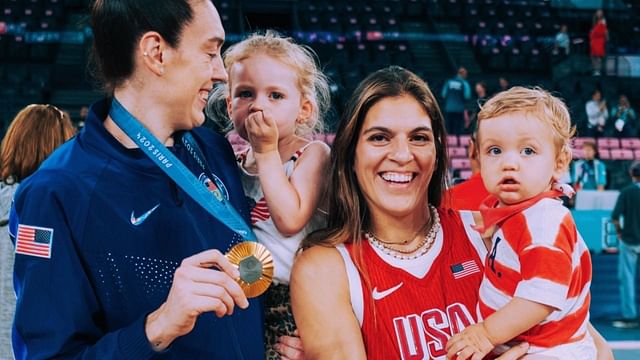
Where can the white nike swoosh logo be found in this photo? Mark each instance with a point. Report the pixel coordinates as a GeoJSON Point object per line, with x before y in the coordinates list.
{"type": "Point", "coordinates": [139, 220]}
{"type": "Point", "coordinates": [382, 294]}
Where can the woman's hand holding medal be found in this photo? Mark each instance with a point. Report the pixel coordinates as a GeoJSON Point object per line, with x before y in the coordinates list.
{"type": "Point", "coordinates": [196, 289]}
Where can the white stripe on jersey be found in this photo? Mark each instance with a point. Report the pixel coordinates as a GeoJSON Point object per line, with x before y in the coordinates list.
{"type": "Point", "coordinates": [542, 291]}
{"type": "Point", "coordinates": [577, 254]}
{"type": "Point", "coordinates": [570, 305]}
{"type": "Point", "coordinates": [543, 232]}
{"type": "Point", "coordinates": [355, 285]}
{"type": "Point", "coordinates": [491, 296]}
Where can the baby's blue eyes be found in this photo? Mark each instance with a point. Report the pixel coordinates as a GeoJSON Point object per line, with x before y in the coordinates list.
{"type": "Point", "coordinates": [277, 96]}
{"type": "Point", "coordinates": [497, 151]}
{"type": "Point", "coordinates": [244, 94]}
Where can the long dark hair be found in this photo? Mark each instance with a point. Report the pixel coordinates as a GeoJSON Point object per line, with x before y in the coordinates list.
{"type": "Point", "coordinates": [348, 212]}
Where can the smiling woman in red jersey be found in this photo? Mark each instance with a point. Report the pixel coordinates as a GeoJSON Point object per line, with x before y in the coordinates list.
{"type": "Point", "coordinates": [399, 276]}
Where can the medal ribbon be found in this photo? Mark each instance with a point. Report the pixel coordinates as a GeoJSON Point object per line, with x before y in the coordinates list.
{"type": "Point", "coordinates": [218, 207]}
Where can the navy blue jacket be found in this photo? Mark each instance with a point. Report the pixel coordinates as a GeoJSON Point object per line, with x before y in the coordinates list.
{"type": "Point", "coordinates": [106, 274]}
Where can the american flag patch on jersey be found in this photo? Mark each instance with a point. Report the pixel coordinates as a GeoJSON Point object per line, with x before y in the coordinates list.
{"type": "Point", "coordinates": [34, 241]}
{"type": "Point", "coordinates": [464, 269]}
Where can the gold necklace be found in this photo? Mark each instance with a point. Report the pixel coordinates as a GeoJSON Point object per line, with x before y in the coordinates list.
{"type": "Point", "coordinates": [424, 246]}
{"type": "Point", "coordinates": [405, 242]}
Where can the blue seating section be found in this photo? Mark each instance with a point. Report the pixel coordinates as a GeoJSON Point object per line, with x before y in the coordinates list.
{"type": "Point", "coordinates": [44, 42]}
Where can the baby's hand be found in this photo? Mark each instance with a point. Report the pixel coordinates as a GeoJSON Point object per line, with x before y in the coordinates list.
{"type": "Point", "coordinates": [262, 132]}
{"type": "Point", "coordinates": [472, 343]}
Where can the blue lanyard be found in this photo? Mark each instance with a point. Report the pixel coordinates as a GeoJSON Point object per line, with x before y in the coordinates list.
{"type": "Point", "coordinates": [178, 172]}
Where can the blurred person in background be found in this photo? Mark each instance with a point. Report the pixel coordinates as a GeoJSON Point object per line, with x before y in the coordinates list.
{"type": "Point", "coordinates": [562, 40]}
{"type": "Point", "coordinates": [598, 37]}
{"type": "Point", "coordinates": [628, 233]}
{"type": "Point", "coordinates": [83, 113]}
{"type": "Point", "coordinates": [455, 93]}
{"type": "Point", "coordinates": [34, 133]}
{"type": "Point", "coordinates": [625, 119]}
{"type": "Point", "coordinates": [597, 114]}
{"type": "Point", "coordinates": [482, 95]}
{"type": "Point", "coordinates": [589, 173]}
{"type": "Point", "coordinates": [503, 85]}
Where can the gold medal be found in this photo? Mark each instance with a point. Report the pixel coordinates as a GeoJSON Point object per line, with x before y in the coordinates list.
{"type": "Point", "coordinates": [255, 264]}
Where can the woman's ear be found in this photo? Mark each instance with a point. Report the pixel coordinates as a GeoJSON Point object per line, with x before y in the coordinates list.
{"type": "Point", "coordinates": [152, 46]}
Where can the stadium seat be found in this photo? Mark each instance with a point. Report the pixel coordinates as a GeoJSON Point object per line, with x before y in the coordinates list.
{"type": "Point", "coordinates": [390, 25]}
{"type": "Point", "coordinates": [608, 143]}
{"type": "Point", "coordinates": [414, 8]}
{"type": "Point", "coordinates": [621, 154]}
{"type": "Point", "coordinates": [463, 140]}
{"type": "Point", "coordinates": [577, 142]}
{"type": "Point", "coordinates": [630, 143]}
{"type": "Point", "coordinates": [497, 60]}
{"type": "Point", "coordinates": [381, 55]}
{"type": "Point", "coordinates": [457, 152]}
{"type": "Point", "coordinates": [519, 29]}
{"type": "Point", "coordinates": [517, 62]}
{"type": "Point", "coordinates": [401, 55]}
{"type": "Point", "coordinates": [360, 55]}
{"type": "Point", "coordinates": [460, 164]}
{"type": "Point", "coordinates": [452, 140]}
{"type": "Point", "coordinates": [636, 154]}
{"type": "Point", "coordinates": [453, 8]}
{"type": "Point", "coordinates": [537, 61]}
{"type": "Point", "coordinates": [332, 24]}
{"type": "Point", "coordinates": [500, 29]}
{"type": "Point", "coordinates": [604, 154]}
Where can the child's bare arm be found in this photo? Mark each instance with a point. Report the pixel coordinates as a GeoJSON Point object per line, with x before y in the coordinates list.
{"type": "Point", "coordinates": [293, 200]}
{"type": "Point", "coordinates": [518, 316]}
{"type": "Point", "coordinates": [513, 319]}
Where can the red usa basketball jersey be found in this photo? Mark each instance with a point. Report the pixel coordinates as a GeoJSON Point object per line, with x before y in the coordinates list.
{"type": "Point", "coordinates": [406, 317]}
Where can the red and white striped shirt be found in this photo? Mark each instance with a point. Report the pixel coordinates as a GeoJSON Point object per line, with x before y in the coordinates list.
{"type": "Point", "coordinates": [538, 255]}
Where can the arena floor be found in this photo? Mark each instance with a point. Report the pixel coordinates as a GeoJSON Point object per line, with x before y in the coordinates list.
{"type": "Point", "coordinates": [625, 342]}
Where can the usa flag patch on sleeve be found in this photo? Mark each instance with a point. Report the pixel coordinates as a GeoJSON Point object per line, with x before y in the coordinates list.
{"type": "Point", "coordinates": [34, 241]}
{"type": "Point", "coordinates": [464, 269]}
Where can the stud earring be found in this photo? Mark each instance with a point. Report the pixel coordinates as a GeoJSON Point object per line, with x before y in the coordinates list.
{"type": "Point", "coordinates": [145, 54]}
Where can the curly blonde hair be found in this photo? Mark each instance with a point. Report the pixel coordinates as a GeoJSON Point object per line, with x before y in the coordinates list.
{"type": "Point", "coordinates": [312, 82]}
{"type": "Point", "coordinates": [538, 103]}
